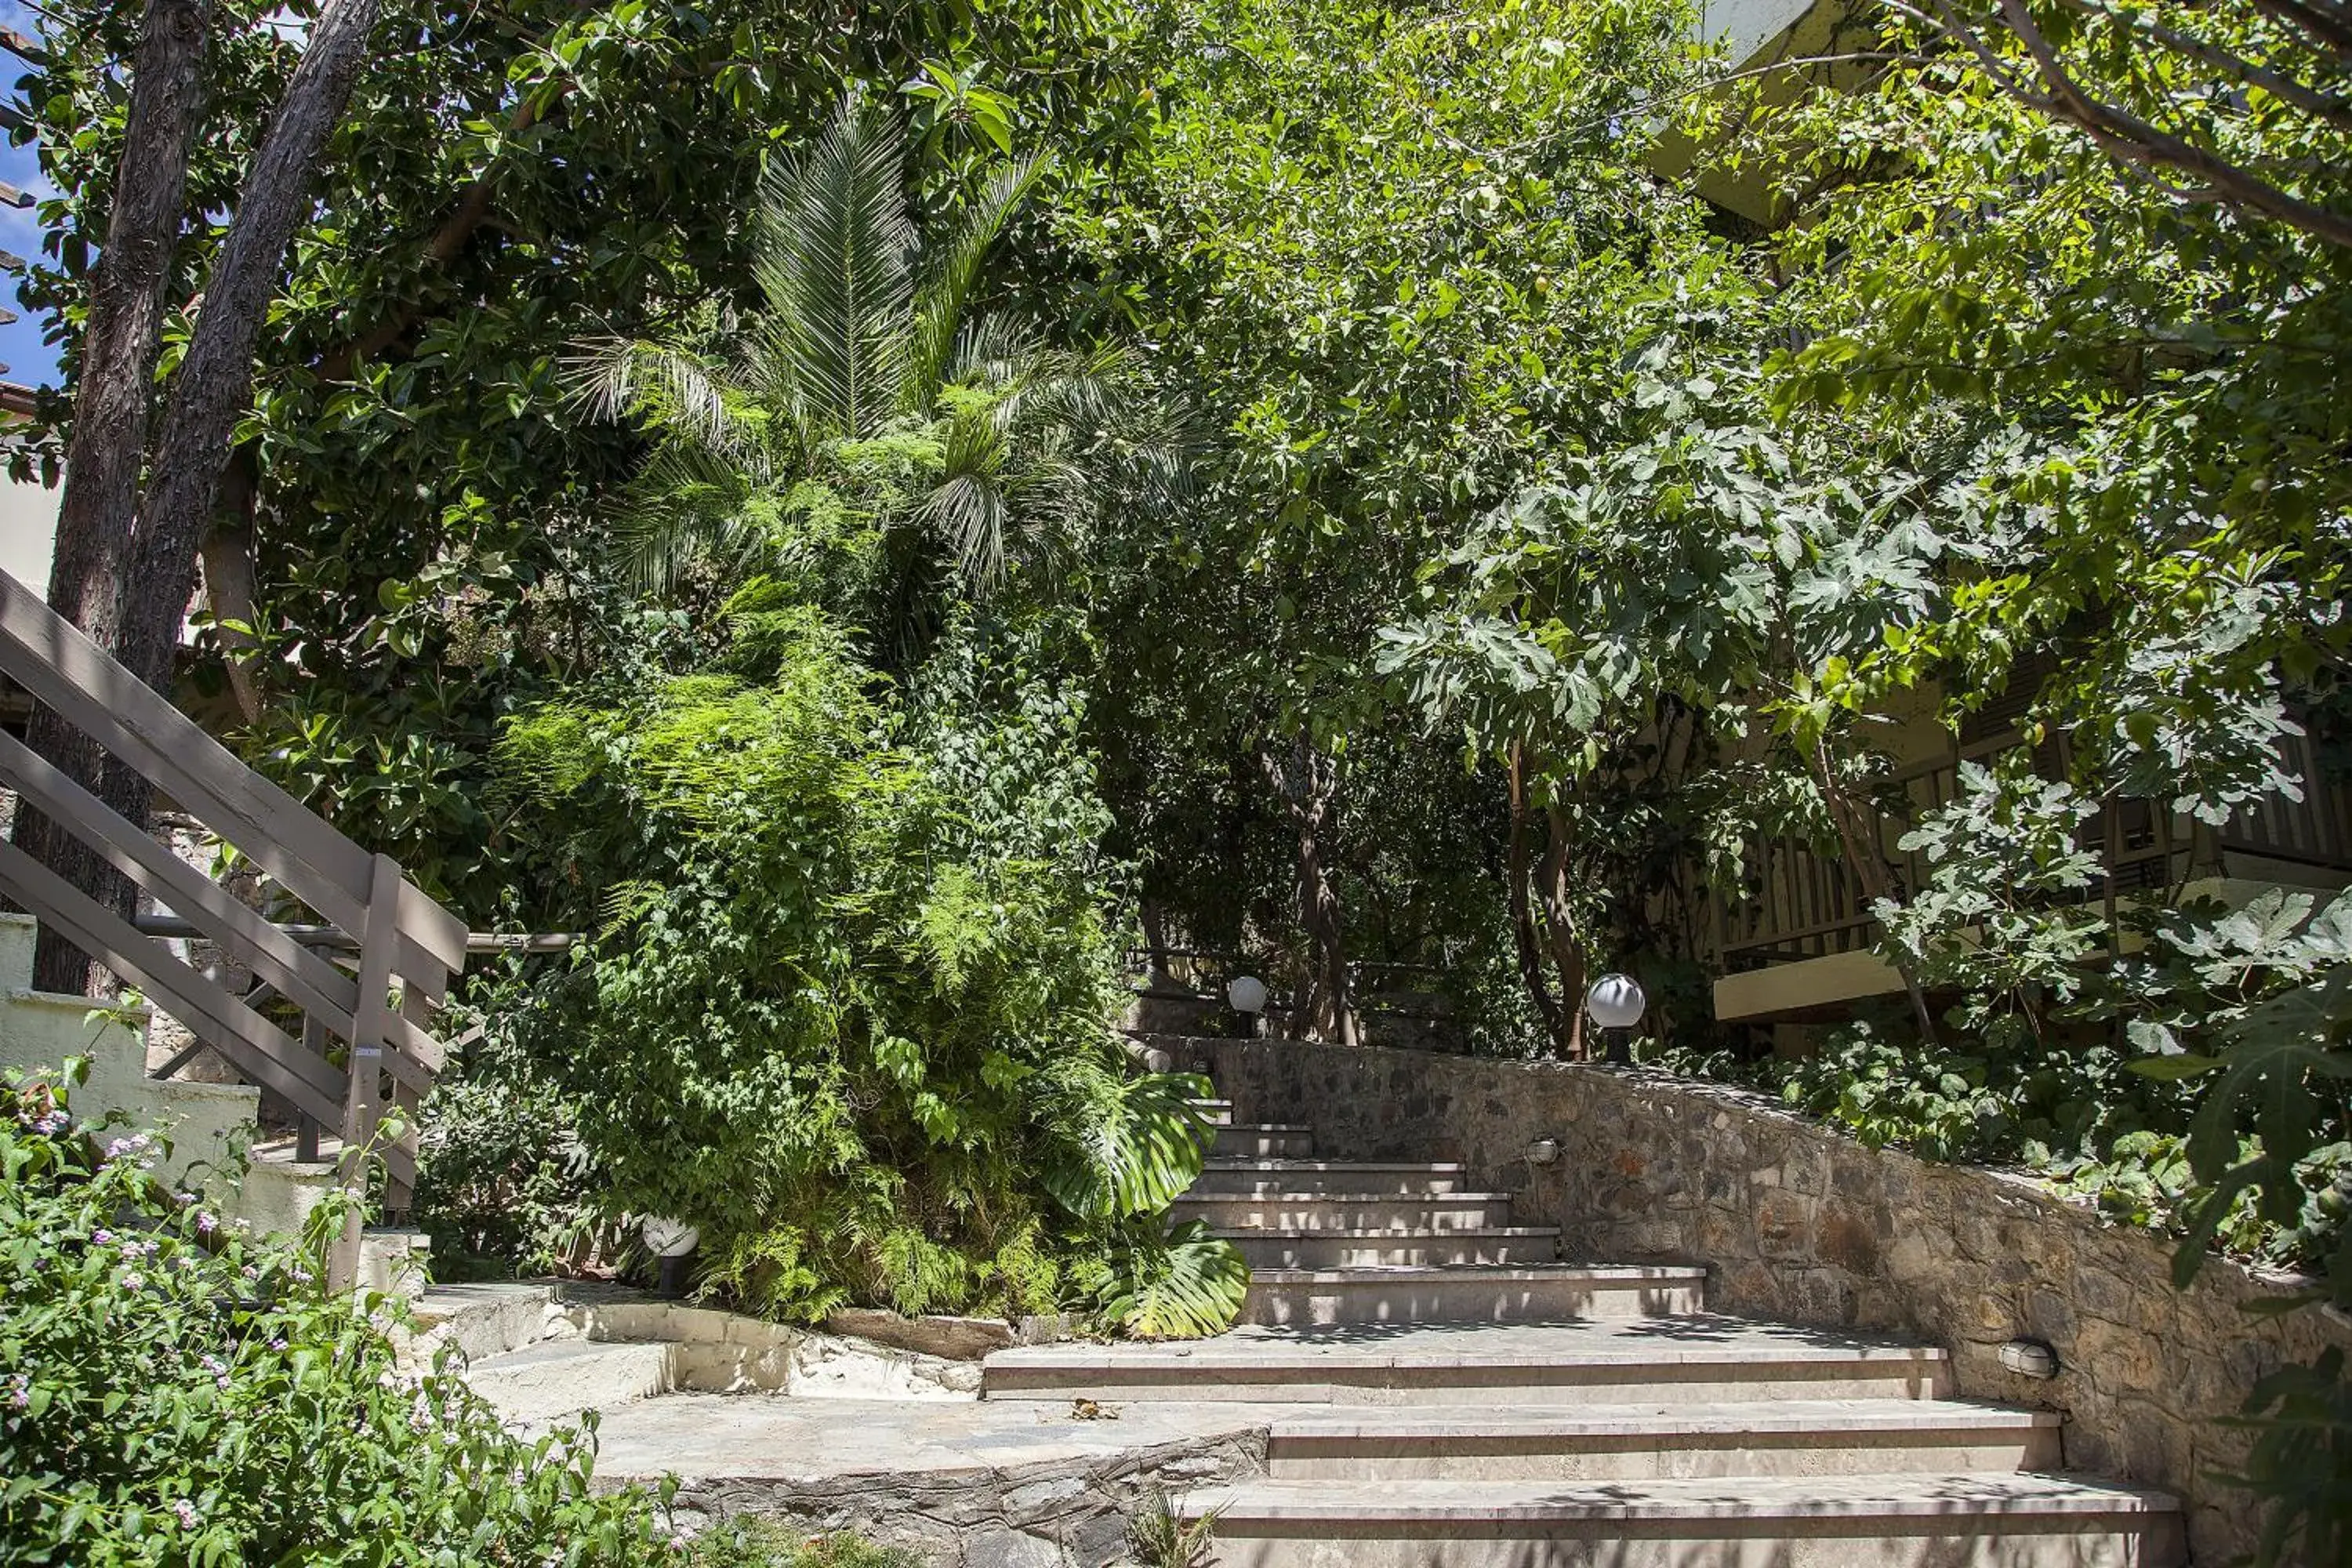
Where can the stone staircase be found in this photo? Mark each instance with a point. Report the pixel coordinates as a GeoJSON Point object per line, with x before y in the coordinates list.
{"type": "Point", "coordinates": [1471, 1401]}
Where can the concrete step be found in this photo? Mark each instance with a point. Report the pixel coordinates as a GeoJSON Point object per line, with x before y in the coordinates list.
{"type": "Point", "coordinates": [1220, 1113]}
{"type": "Point", "coordinates": [1267, 1247]}
{"type": "Point", "coordinates": [1262, 1140]}
{"type": "Point", "coordinates": [1846, 1521]}
{"type": "Point", "coordinates": [557, 1379]}
{"type": "Point", "coordinates": [1252, 1178]}
{"type": "Point", "coordinates": [1472, 1293]}
{"type": "Point", "coordinates": [279, 1190]}
{"type": "Point", "coordinates": [1665, 1442]}
{"type": "Point", "coordinates": [1358, 1212]}
{"type": "Point", "coordinates": [1678, 1361]}
{"type": "Point", "coordinates": [484, 1319]}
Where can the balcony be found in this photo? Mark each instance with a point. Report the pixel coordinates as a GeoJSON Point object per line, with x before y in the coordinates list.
{"type": "Point", "coordinates": [1794, 941]}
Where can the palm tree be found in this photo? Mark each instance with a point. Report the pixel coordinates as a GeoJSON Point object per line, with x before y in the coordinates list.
{"type": "Point", "coordinates": [867, 340]}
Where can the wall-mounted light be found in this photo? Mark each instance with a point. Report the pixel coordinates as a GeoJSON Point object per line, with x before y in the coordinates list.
{"type": "Point", "coordinates": [2030, 1358]}
{"type": "Point", "coordinates": [1544, 1152]}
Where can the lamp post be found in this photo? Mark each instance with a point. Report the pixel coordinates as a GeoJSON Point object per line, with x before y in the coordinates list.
{"type": "Point", "coordinates": [1616, 1003]}
{"type": "Point", "coordinates": [669, 1240]}
{"type": "Point", "coordinates": [1248, 996]}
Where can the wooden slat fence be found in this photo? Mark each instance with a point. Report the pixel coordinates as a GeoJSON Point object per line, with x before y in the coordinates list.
{"type": "Point", "coordinates": [405, 944]}
{"type": "Point", "coordinates": [1797, 901]}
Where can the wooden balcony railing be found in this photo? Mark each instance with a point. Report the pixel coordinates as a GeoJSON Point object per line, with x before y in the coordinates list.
{"type": "Point", "coordinates": [1796, 902]}
{"type": "Point", "coordinates": [365, 1045]}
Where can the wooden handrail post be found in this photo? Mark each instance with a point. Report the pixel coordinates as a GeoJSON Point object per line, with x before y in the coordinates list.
{"type": "Point", "coordinates": [371, 1035]}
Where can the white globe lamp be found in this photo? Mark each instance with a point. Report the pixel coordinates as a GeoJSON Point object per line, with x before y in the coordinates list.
{"type": "Point", "coordinates": [1616, 1003]}
{"type": "Point", "coordinates": [1248, 996]}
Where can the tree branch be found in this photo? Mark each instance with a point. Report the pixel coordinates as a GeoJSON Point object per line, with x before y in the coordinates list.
{"type": "Point", "coordinates": [2325, 106]}
{"type": "Point", "coordinates": [213, 385]}
{"type": "Point", "coordinates": [2327, 24]}
{"type": "Point", "coordinates": [2122, 134]}
{"type": "Point", "coordinates": [472, 211]}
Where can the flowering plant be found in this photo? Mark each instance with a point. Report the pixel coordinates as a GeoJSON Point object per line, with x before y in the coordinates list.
{"type": "Point", "coordinates": [176, 1391]}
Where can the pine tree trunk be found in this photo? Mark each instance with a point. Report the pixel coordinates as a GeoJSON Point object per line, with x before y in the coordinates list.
{"type": "Point", "coordinates": [126, 565]}
{"type": "Point", "coordinates": [213, 388]}
{"type": "Point", "coordinates": [107, 446]}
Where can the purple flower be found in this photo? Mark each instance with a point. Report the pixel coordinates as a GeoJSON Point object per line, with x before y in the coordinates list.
{"type": "Point", "coordinates": [101, 1237]}
{"type": "Point", "coordinates": [132, 1279]}
{"type": "Point", "coordinates": [189, 1517]}
{"type": "Point", "coordinates": [206, 1224]}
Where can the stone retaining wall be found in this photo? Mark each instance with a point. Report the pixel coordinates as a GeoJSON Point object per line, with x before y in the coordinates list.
{"type": "Point", "coordinates": [1049, 1514]}
{"type": "Point", "coordinates": [1799, 1223]}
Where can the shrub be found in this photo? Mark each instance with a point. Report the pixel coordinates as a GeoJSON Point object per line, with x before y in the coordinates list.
{"type": "Point", "coordinates": [179, 1392]}
{"type": "Point", "coordinates": [848, 1009]}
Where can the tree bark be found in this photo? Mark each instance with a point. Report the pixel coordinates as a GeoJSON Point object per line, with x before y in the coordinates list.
{"type": "Point", "coordinates": [1323, 1010]}
{"type": "Point", "coordinates": [1560, 922]}
{"type": "Point", "coordinates": [107, 446]}
{"type": "Point", "coordinates": [227, 556]}
{"type": "Point", "coordinates": [1857, 831]}
{"type": "Point", "coordinates": [1517, 870]}
{"type": "Point", "coordinates": [213, 385]}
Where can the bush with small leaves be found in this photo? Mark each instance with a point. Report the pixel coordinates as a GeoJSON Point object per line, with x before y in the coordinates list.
{"type": "Point", "coordinates": [178, 1392]}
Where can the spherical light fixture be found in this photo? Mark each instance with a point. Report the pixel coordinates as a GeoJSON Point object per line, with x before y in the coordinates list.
{"type": "Point", "coordinates": [1248, 996]}
{"type": "Point", "coordinates": [1616, 1003]}
{"type": "Point", "coordinates": [669, 1240]}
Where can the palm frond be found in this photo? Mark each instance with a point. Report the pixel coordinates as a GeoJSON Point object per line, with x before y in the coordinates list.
{"type": "Point", "coordinates": [837, 264]}
{"type": "Point", "coordinates": [967, 511]}
{"type": "Point", "coordinates": [994, 350]}
{"type": "Point", "coordinates": [949, 281]}
{"type": "Point", "coordinates": [666, 389]}
{"type": "Point", "coordinates": [684, 507]}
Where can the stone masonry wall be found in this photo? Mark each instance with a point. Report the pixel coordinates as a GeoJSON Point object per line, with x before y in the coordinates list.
{"type": "Point", "coordinates": [1799, 1223]}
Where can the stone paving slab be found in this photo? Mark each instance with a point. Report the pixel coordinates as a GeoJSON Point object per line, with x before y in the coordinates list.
{"type": "Point", "coordinates": [1695, 1338]}
{"type": "Point", "coordinates": [757, 1438]}
{"type": "Point", "coordinates": [1748, 1499]}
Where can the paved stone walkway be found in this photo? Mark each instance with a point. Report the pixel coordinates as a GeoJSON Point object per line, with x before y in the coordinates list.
{"type": "Point", "coordinates": [765, 1439]}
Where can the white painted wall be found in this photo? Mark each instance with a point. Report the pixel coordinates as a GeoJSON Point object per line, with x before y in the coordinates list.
{"type": "Point", "coordinates": [28, 532]}
{"type": "Point", "coordinates": [1748, 25]}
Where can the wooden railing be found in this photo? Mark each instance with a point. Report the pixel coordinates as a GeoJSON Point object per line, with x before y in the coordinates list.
{"type": "Point", "coordinates": [1796, 901]}
{"type": "Point", "coordinates": [403, 948]}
